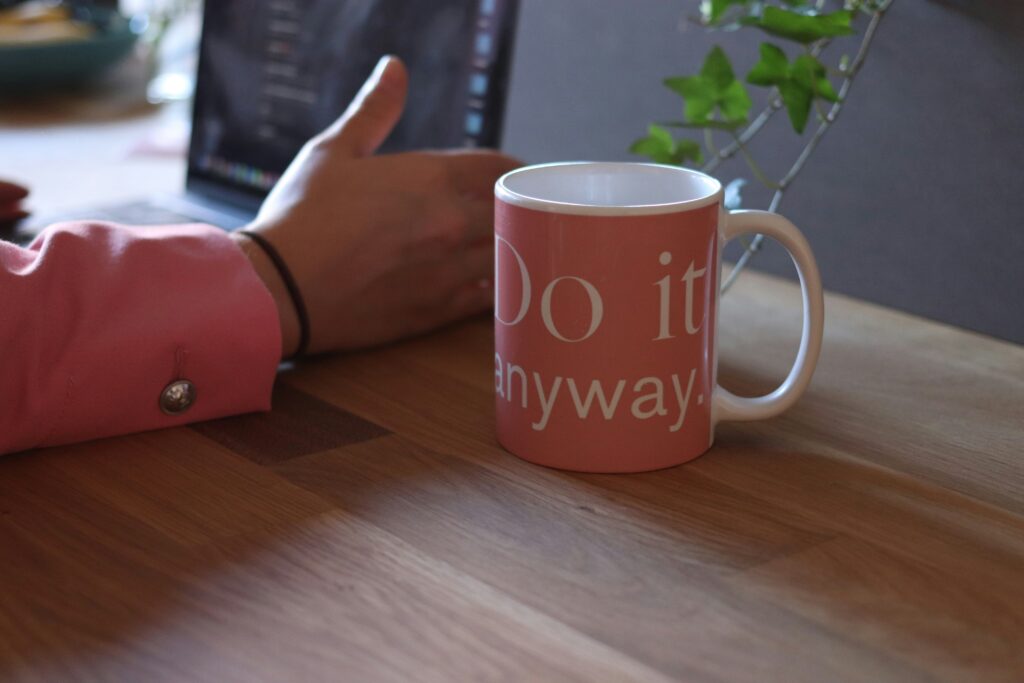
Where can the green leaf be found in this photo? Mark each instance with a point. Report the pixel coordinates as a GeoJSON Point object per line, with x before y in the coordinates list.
{"type": "Point", "coordinates": [654, 145]}
{"type": "Point", "coordinates": [797, 99]}
{"type": "Point", "coordinates": [734, 103]}
{"type": "Point", "coordinates": [698, 96]}
{"type": "Point", "coordinates": [715, 87]}
{"type": "Point", "coordinates": [717, 69]}
{"type": "Point", "coordinates": [713, 124]}
{"type": "Point", "coordinates": [772, 69]}
{"type": "Point", "coordinates": [661, 135]}
{"type": "Point", "coordinates": [803, 28]}
{"type": "Point", "coordinates": [648, 148]}
{"type": "Point", "coordinates": [811, 74]}
{"type": "Point", "coordinates": [661, 148]}
{"type": "Point", "coordinates": [688, 149]}
{"type": "Point", "coordinates": [799, 83]}
{"type": "Point", "coordinates": [712, 10]}
{"type": "Point", "coordinates": [823, 89]}
{"type": "Point", "coordinates": [804, 70]}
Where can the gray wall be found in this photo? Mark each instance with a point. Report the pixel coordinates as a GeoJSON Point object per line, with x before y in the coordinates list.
{"type": "Point", "coordinates": [915, 199]}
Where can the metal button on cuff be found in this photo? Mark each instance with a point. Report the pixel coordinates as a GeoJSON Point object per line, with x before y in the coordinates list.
{"type": "Point", "coordinates": [177, 397]}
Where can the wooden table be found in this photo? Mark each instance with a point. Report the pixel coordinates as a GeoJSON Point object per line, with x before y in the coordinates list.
{"type": "Point", "coordinates": [371, 529]}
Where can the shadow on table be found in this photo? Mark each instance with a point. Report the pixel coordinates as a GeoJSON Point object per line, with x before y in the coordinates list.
{"type": "Point", "coordinates": [771, 539]}
{"type": "Point", "coordinates": [152, 556]}
{"type": "Point", "coordinates": [160, 555]}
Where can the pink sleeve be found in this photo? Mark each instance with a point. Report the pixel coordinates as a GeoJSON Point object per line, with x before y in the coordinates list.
{"type": "Point", "coordinates": [97, 319]}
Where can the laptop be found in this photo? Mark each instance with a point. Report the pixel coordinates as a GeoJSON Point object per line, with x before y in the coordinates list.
{"type": "Point", "coordinates": [273, 73]}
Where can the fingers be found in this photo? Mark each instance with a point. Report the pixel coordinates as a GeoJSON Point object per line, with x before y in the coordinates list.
{"type": "Point", "coordinates": [447, 227]}
{"type": "Point", "coordinates": [446, 273]}
{"type": "Point", "coordinates": [478, 264]}
{"type": "Point", "coordinates": [374, 111]}
{"type": "Point", "coordinates": [10, 215]}
{"type": "Point", "coordinates": [479, 221]}
{"type": "Point", "coordinates": [463, 303]}
{"type": "Point", "coordinates": [474, 172]}
{"type": "Point", "coordinates": [11, 193]}
{"type": "Point", "coordinates": [10, 203]}
{"type": "Point", "coordinates": [468, 301]}
{"type": "Point", "coordinates": [457, 289]}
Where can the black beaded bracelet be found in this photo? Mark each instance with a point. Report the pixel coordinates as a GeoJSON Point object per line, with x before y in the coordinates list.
{"type": "Point", "coordinates": [290, 285]}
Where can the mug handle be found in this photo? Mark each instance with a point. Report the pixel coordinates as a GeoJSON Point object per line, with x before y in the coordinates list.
{"type": "Point", "coordinates": [728, 406]}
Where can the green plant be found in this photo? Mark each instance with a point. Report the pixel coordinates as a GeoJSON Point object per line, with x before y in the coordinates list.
{"type": "Point", "coordinates": [797, 77]}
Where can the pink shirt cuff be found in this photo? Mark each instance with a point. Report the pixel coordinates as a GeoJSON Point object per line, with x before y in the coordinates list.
{"type": "Point", "coordinates": [96, 320]}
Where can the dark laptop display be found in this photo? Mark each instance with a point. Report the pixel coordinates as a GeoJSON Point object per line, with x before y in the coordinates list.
{"type": "Point", "coordinates": [272, 73]}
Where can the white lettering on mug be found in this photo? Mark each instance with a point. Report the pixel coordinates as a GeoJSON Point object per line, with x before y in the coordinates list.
{"type": "Point", "coordinates": [512, 371]}
{"type": "Point", "coordinates": [596, 308]}
{"type": "Point", "coordinates": [690, 276]}
{"type": "Point", "coordinates": [657, 396]}
{"type": "Point", "coordinates": [596, 302]}
{"type": "Point", "coordinates": [546, 402]}
{"type": "Point", "coordinates": [503, 375]}
{"type": "Point", "coordinates": [608, 408]}
{"type": "Point", "coordinates": [664, 286]}
{"type": "Point", "coordinates": [665, 299]}
{"type": "Point", "coordinates": [524, 276]}
{"type": "Point", "coordinates": [684, 401]}
{"type": "Point", "coordinates": [607, 395]}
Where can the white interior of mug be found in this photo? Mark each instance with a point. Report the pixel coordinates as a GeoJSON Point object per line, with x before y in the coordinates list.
{"type": "Point", "coordinates": [607, 188]}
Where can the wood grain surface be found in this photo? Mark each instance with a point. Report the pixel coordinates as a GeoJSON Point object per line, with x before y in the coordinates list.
{"type": "Point", "coordinates": [371, 529]}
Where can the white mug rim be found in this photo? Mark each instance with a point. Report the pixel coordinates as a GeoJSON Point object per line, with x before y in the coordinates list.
{"type": "Point", "coordinates": [503, 193]}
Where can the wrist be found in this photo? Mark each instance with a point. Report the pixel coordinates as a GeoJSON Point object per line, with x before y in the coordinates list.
{"type": "Point", "coordinates": [288, 318]}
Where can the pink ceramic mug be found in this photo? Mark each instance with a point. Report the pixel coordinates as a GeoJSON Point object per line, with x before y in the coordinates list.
{"type": "Point", "coordinates": [606, 291]}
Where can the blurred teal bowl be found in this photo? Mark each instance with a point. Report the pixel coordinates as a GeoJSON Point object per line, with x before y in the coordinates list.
{"type": "Point", "coordinates": [43, 66]}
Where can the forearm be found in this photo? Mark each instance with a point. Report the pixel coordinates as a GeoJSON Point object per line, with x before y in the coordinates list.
{"type": "Point", "coordinates": [97, 320]}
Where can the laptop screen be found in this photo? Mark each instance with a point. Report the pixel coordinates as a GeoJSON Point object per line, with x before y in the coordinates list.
{"type": "Point", "coordinates": [273, 73]}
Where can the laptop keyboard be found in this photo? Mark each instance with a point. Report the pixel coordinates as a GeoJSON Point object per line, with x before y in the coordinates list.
{"type": "Point", "coordinates": [134, 213]}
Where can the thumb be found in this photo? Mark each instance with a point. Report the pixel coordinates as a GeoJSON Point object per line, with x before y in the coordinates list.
{"type": "Point", "coordinates": [374, 111]}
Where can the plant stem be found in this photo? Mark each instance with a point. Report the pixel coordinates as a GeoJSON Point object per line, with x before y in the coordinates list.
{"type": "Point", "coordinates": [830, 118]}
{"type": "Point", "coordinates": [801, 161]}
{"type": "Point", "coordinates": [747, 134]}
{"type": "Point", "coordinates": [709, 142]}
{"type": "Point", "coordinates": [761, 176]}
{"type": "Point", "coordinates": [755, 126]}
{"type": "Point", "coordinates": [819, 110]}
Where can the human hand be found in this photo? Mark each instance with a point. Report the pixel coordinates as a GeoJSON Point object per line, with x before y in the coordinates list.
{"type": "Point", "coordinates": [381, 247]}
{"type": "Point", "coordinates": [11, 196]}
